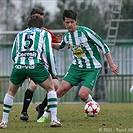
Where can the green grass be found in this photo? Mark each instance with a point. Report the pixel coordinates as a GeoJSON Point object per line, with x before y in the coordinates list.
{"type": "Point", "coordinates": [116, 117]}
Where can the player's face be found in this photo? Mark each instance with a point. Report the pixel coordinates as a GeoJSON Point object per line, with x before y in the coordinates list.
{"type": "Point", "coordinates": [70, 24]}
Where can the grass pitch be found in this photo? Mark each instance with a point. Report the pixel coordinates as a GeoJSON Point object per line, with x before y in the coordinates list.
{"type": "Point", "coordinates": [116, 117]}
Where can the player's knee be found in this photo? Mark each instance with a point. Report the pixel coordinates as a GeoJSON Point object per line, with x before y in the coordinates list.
{"type": "Point", "coordinates": [12, 91]}
{"type": "Point", "coordinates": [56, 86]}
{"type": "Point", "coordinates": [33, 87]}
{"type": "Point", "coordinates": [83, 96]}
{"type": "Point", "coordinates": [60, 92]}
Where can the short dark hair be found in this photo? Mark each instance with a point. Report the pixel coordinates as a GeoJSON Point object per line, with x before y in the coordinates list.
{"type": "Point", "coordinates": [70, 14]}
{"type": "Point", "coordinates": [35, 21]}
{"type": "Point", "coordinates": [37, 11]}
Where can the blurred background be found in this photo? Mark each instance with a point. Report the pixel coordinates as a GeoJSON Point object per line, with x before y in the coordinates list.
{"type": "Point", "coordinates": [112, 20]}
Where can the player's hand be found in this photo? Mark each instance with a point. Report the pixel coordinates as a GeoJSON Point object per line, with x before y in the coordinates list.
{"type": "Point", "coordinates": [59, 37]}
{"type": "Point", "coordinates": [55, 46]}
{"type": "Point", "coordinates": [114, 69]}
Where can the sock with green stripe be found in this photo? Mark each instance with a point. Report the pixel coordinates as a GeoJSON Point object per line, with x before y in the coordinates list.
{"type": "Point", "coordinates": [7, 105]}
{"type": "Point", "coordinates": [46, 113]}
{"type": "Point", "coordinates": [52, 104]}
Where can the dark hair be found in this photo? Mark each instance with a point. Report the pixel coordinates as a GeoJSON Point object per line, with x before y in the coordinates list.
{"type": "Point", "coordinates": [70, 14]}
{"type": "Point", "coordinates": [37, 10]}
{"type": "Point", "coordinates": [35, 21]}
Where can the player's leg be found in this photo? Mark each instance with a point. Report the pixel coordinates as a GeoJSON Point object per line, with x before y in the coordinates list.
{"type": "Point", "coordinates": [63, 88]}
{"type": "Point", "coordinates": [40, 108]}
{"type": "Point", "coordinates": [27, 100]}
{"type": "Point", "coordinates": [17, 78]}
{"type": "Point", "coordinates": [89, 81]}
{"type": "Point", "coordinates": [84, 94]}
{"type": "Point", "coordinates": [72, 78]}
{"type": "Point", "coordinates": [7, 104]}
{"type": "Point", "coordinates": [52, 101]}
{"type": "Point", "coordinates": [45, 81]}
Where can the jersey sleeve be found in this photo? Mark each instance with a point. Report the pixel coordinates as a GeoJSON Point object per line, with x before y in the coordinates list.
{"type": "Point", "coordinates": [98, 41]}
{"type": "Point", "coordinates": [49, 55]}
{"type": "Point", "coordinates": [54, 38]}
{"type": "Point", "coordinates": [63, 45]}
{"type": "Point", "coordinates": [14, 48]}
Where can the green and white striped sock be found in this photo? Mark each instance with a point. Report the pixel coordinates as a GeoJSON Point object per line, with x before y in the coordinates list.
{"type": "Point", "coordinates": [52, 104]}
{"type": "Point", "coordinates": [7, 105]}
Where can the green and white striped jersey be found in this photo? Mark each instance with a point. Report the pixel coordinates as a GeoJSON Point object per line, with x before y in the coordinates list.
{"type": "Point", "coordinates": [85, 45]}
{"type": "Point", "coordinates": [33, 46]}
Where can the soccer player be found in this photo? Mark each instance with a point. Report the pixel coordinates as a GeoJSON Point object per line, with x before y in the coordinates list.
{"type": "Point", "coordinates": [28, 54]}
{"type": "Point", "coordinates": [32, 86]}
{"type": "Point", "coordinates": [85, 45]}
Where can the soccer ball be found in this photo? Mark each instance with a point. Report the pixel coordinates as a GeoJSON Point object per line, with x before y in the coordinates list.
{"type": "Point", "coordinates": [92, 108]}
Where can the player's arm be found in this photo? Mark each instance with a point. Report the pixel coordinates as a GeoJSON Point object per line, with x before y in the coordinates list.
{"type": "Point", "coordinates": [106, 51]}
{"type": "Point", "coordinates": [13, 53]}
{"type": "Point", "coordinates": [59, 37]}
{"type": "Point", "coordinates": [112, 65]}
{"type": "Point", "coordinates": [101, 44]}
{"type": "Point", "coordinates": [49, 55]}
{"type": "Point", "coordinates": [60, 46]}
{"type": "Point", "coordinates": [55, 39]}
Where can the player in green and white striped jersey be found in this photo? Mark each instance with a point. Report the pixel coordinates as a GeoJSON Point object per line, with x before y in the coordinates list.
{"type": "Point", "coordinates": [29, 50]}
{"type": "Point", "coordinates": [86, 46]}
{"type": "Point", "coordinates": [32, 86]}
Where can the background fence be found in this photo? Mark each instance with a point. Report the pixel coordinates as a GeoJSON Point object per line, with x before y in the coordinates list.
{"type": "Point", "coordinates": [108, 89]}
